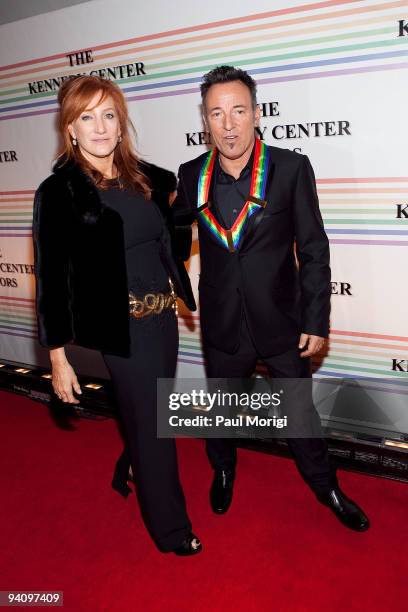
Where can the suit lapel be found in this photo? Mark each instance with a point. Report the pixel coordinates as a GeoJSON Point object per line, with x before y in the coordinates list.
{"type": "Point", "coordinates": [256, 218]}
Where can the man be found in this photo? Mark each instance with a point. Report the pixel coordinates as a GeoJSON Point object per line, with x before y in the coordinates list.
{"type": "Point", "coordinates": [259, 296]}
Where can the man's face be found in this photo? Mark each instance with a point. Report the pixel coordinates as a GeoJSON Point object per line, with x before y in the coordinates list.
{"type": "Point", "coordinates": [231, 118]}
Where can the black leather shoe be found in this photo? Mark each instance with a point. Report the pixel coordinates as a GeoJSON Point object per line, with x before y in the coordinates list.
{"type": "Point", "coordinates": [345, 509]}
{"type": "Point", "coordinates": [191, 545]}
{"type": "Point", "coordinates": [221, 490]}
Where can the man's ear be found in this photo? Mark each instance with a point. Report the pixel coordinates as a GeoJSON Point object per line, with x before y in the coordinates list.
{"type": "Point", "coordinates": [204, 118]}
{"type": "Point", "coordinates": [257, 115]}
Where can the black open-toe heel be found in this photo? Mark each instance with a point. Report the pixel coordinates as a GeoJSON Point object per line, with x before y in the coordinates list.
{"type": "Point", "coordinates": [122, 475]}
{"type": "Point", "coordinates": [191, 545]}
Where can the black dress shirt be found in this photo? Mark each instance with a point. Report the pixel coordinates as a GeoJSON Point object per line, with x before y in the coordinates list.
{"type": "Point", "coordinates": [230, 194]}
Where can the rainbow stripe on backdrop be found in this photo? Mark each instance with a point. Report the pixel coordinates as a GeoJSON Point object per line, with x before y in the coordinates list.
{"type": "Point", "coordinates": [356, 210]}
{"type": "Point", "coordinates": [16, 213]}
{"type": "Point", "coordinates": [363, 354]}
{"type": "Point", "coordinates": [350, 354]}
{"type": "Point", "coordinates": [17, 317]}
{"type": "Point", "coordinates": [362, 39]}
{"type": "Point", "coordinates": [363, 211]}
{"type": "Point", "coordinates": [231, 238]}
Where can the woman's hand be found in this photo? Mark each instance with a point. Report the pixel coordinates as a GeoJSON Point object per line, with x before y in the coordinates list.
{"type": "Point", "coordinates": [64, 380]}
{"type": "Point", "coordinates": [172, 197]}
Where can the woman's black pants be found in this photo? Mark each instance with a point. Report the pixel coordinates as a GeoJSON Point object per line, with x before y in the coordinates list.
{"type": "Point", "coordinates": [154, 345]}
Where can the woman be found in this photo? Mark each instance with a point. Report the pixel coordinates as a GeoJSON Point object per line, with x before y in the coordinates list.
{"type": "Point", "coordinates": [103, 264]}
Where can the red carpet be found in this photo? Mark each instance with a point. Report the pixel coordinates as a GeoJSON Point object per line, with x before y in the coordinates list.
{"type": "Point", "coordinates": [277, 549]}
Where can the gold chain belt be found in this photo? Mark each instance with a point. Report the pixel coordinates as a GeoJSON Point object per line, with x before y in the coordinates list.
{"type": "Point", "coordinates": [152, 303]}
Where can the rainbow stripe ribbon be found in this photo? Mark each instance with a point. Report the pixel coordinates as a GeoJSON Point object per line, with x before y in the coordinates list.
{"type": "Point", "coordinates": [231, 238]}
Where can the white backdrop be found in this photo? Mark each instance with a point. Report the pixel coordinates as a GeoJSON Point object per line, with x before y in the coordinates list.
{"type": "Point", "coordinates": [334, 61]}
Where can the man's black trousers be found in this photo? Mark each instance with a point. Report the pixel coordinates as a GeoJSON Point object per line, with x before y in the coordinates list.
{"type": "Point", "coordinates": [311, 454]}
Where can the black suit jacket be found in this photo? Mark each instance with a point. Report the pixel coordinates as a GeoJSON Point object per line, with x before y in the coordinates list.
{"type": "Point", "coordinates": [80, 267]}
{"type": "Point", "coordinates": [281, 297]}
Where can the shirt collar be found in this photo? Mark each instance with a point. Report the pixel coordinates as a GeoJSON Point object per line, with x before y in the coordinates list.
{"type": "Point", "coordinates": [225, 177]}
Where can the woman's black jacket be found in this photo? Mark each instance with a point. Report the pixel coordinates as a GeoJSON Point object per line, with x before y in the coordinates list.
{"type": "Point", "coordinates": [80, 267]}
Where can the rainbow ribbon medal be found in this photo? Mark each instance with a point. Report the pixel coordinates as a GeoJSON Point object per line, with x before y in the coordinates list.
{"type": "Point", "coordinates": [231, 238]}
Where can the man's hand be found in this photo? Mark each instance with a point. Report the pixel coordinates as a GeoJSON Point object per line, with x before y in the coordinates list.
{"type": "Point", "coordinates": [314, 344]}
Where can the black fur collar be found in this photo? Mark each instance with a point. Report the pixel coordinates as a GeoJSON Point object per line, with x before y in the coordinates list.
{"type": "Point", "coordinates": [82, 189]}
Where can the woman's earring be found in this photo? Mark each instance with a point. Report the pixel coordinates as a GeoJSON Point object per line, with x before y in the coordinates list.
{"type": "Point", "coordinates": [119, 139]}
{"type": "Point", "coordinates": [74, 142]}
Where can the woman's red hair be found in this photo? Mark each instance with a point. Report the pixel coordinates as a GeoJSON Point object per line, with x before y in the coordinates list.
{"type": "Point", "coordinates": [74, 97]}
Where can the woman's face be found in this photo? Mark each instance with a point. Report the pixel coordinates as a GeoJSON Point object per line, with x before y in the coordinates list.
{"type": "Point", "coordinates": [97, 130]}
